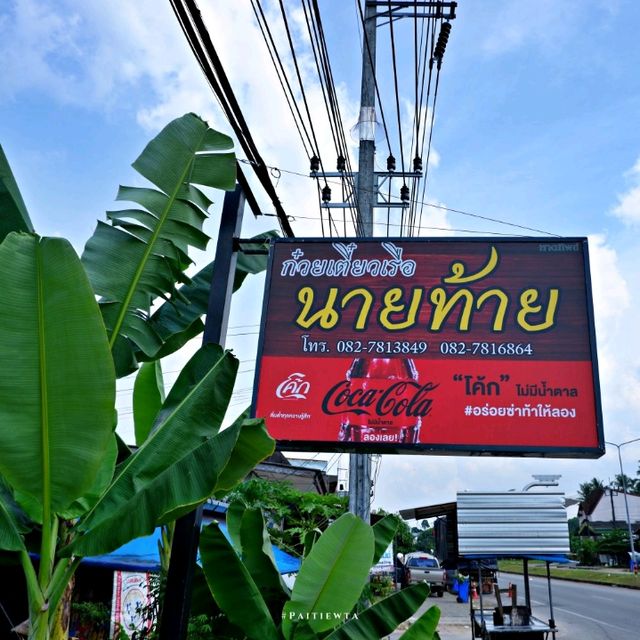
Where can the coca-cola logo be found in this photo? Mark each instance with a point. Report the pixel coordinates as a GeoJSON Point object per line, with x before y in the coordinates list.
{"type": "Point", "coordinates": [402, 398]}
{"type": "Point", "coordinates": [293, 387]}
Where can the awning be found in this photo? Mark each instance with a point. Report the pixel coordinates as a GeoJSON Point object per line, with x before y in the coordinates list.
{"type": "Point", "coordinates": [142, 554]}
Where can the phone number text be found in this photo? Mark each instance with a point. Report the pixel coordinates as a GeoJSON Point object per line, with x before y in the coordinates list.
{"type": "Point", "coordinates": [486, 349]}
{"type": "Point", "coordinates": [381, 346]}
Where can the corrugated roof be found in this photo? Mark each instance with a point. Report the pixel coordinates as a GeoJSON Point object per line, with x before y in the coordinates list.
{"type": "Point", "coordinates": [512, 524]}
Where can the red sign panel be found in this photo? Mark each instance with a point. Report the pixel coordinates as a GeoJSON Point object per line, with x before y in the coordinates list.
{"type": "Point", "coordinates": [430, 346]}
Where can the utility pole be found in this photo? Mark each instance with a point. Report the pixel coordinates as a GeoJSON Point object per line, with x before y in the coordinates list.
{"type": "Point", "coordinates": [360, 463]}
{"type": "Point", "coordinates": [367, 179]}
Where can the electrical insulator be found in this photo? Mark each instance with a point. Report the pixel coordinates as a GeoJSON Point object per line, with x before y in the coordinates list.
{"type": "Point", "coordinates": [417, 164]}
{"type": "Point", "coordinates": [315, 164]}
{"type": "Point", "coordinates": [326, 193]}
{"type": "Point", "coordinates": [341, 164]}
{"type": "Point", "coordinates": [441, 44]}
{"type": "Point", "coordinates": [404, 193]}
{"type": "Point", "coordinates": [391, 163]}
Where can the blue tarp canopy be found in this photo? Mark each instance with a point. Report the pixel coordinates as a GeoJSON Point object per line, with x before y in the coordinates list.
{"type": "Point", "coordinates": [142, 554]}
{"type": "Point", "coordinates": [517, 556]}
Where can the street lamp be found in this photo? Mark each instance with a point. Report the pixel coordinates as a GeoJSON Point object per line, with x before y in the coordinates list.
{"type": "Point", "coordinates": [624, 493]}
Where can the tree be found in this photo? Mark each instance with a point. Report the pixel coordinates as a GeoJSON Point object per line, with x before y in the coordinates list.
{"type": "Point", "coordinates": [587, 489]}
{"type": "Point", "coordinates": [58, 473]}
{"type": "Point", "coordinates": [623, 481]}
{"type": "Point", "coordinates": [291, 514]}
{"type": "Point", "coordinates": [425, 540]}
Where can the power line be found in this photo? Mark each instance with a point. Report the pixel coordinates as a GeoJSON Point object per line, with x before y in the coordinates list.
{"type": "Point", "coordinates": [426, 204]}
{"type": "Point", "coordinates": [192, 24]}
{"type": "Point", "coordinates": [282, 77]}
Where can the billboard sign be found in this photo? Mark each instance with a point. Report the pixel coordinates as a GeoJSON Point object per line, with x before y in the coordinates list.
{"type": "Point", "coordinates": [430, 346]}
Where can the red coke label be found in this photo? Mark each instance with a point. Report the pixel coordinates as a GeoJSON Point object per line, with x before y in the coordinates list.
{"type": "Point", "coordinates": [380, 401]}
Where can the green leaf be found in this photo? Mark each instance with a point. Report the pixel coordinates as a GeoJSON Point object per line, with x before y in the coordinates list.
{"type": "Point", "coordinates": [254, 444]}
{"type": "Point", "coordinates": [58, 392]}
{"type": "Point", "coordinates": [257, 555]}
{"type": "Point", "coordinates": [235, 511]}
{"type": "Point", "coordinates": [13, 212]}
{"type": "Point", "coordinates": [384, 530]}
{"type": "Point", "coordinates": [171, 470]}
{"type": "Point", "coordinates": [13, 521]}
{"type": "Point", "coordinates": [177, 321]}
{"type": "Point", "coordinates": [233, 589]}
{"type": "Point", "coordinates": [102, 481]}
{"type": "Point", "coordinates": [384, 617]}
{"type": "Point", "coordinates": [148, 396]}
{"type": "Point", "coordinates": [142, 255]}
{"type": "Point", "coordinates": [424, 628]}
{"type": "Point", "coordinates": [333, 575]}
{"type": "Point", "coordinates": [310, 538]}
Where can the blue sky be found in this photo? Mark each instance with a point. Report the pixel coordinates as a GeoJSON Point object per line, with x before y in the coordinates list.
{"type": "Point", "coordinates": [536, 125]}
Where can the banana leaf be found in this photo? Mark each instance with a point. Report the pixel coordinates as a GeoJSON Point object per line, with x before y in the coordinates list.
{"type": "Point", "coordinates": [13, 212]}
{"type": "Point", "coordinates": [332, 576]}
{"type": "Point", "coordinates": [233, 587]}
{"type": "Point", "coordinates": [235, 511]}
{"type": "Point", "coordinates": [170, 469]}
{"type": "Point", "coordinates": [148, 396]}
{"type": "Point", "coordinates": [177, 321]}
{"type": "Point", "coordinates": [258, 558]}
{"type": "Point", "coordinates": [185, 484]}
{"type": "Point", "coordinates": [143, 253]}
{"type": "Point", "coordinates": [384, 617]}
{"type": "Point", "coordinates": [384, 530]}
{"type": "Point", "coordinates": [14, 523]}
{"type": "Point", "coordinates": [103, 480]}
{"type": "Point", "coordinates": [57, 385]}
{"type": "Point", "coordinates": [424, 628]}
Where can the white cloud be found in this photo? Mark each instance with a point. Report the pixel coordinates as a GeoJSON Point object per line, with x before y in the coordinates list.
{"type": "Point", "coordinates": [628, 208]}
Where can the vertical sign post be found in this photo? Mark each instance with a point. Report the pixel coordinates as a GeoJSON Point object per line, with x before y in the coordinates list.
{"type": "Point", "coordinates": [177, 600]}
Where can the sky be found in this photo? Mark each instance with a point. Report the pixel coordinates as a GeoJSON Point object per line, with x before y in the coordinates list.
{"type": "Point", "coordinates": [536, 125]}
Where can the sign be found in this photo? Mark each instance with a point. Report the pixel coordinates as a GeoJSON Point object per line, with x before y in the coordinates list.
{"type": "Point", "coordinates": [430, 346]}
{"type": "Point", "coordinates": [386, 563]}
{"type": "Point", "coordinates": [131, 596]}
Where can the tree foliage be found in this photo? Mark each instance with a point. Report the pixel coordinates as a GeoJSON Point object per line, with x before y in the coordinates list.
{"type": "Point", "coordinates": [587, 489]}
{"type": "Point", "coordinates": [291, 514]}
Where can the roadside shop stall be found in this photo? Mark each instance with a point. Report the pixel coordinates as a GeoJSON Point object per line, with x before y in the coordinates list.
{"type": "Point", "coordinates": [520, 525]}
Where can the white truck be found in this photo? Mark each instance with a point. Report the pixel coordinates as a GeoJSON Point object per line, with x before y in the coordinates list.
{"type": "Point", "coordinates": [418, 567]}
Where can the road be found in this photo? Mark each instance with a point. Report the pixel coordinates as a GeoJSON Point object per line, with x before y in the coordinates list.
{"type": "Point", "coordinates": [584, 611]}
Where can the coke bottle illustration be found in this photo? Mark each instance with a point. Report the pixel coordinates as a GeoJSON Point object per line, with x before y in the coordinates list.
{"type": "Point", "coordinates": [379, 393]}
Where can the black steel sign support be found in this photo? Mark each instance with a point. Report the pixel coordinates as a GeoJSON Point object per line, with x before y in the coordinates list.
{"type": "Point", "coordinates": [177, 599]}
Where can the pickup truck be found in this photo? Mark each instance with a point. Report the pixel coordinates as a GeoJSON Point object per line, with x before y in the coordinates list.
{"type": "Point", "coordinates": [419, 566]}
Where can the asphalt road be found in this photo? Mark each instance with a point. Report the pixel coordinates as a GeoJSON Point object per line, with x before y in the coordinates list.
{"type": "Point", "coordinates": [584, 611]}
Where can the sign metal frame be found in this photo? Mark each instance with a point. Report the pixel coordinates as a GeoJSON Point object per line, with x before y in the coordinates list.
{"type": "Point", "coordinates": [593, 450]}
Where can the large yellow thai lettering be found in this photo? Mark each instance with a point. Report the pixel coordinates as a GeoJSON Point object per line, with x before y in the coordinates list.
{"type": "Point", "coordinates": [391, 304]}
{"type": "Point", "coordinates": [443, 307]}
{"type": "Point", "coordinates": [528, 298]}
{"type": "Point", "coordinates": [459, 273]}
{"type": "Point", "coordinates": [365, 306]}
{"type": "Point", "coordinates": [501, 306]}
{"type": "Point", "coordinates": [326, 318]}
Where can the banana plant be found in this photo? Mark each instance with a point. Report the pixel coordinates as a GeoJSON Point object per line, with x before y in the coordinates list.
{"type": "Point", "coordinates": [62, 349]}
{"type": "Point", "coordinates": [14, 212]}
{"type": "Point", "coordinates": [321, 604]}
